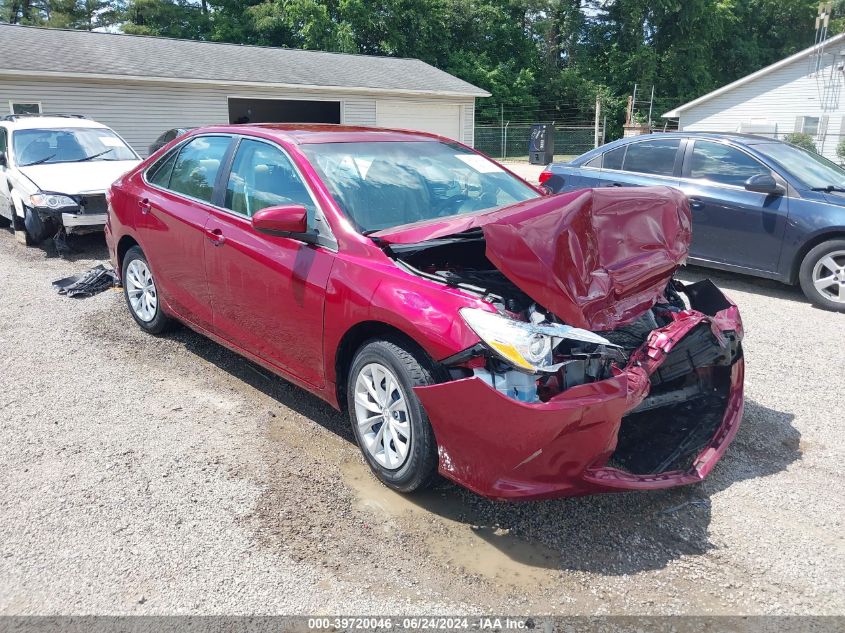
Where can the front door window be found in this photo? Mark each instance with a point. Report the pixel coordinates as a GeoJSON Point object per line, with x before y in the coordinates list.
{"type": "Point", "coordinates": [723, 164]}
{"type": "Point", "coordinates": [263, 176]}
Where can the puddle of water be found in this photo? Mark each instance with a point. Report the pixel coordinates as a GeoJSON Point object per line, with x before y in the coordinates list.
{"type": "Point", "coordinates": [489, 552]}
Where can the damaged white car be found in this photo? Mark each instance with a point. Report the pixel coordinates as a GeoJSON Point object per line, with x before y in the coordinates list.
{"type": "Point", "coordinates": [54, 173]}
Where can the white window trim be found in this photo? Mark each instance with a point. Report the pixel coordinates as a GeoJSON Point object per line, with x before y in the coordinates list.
{"type": "Point", "coordinates": [804, 118]}
{"type": "Point", "coordinates": [13, 103]}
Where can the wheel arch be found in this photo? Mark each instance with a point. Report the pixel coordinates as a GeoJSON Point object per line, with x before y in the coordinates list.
{"type": "Point", "coordinates": [355, 337]}
{"type": "Point", "coordinates": [17, 201]}
{"type": "Point", "coordinates": [806, 247]}
{"type": "Point", "coordinates": [123, 245]}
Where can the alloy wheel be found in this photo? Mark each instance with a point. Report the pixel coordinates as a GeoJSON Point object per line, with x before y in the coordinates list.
{"type": "Point", "coordinates": [829, 276]}
{"type": "Point", "coordinates": [381, 411]}
{"type": "Point", "coordinates": [141, 290]}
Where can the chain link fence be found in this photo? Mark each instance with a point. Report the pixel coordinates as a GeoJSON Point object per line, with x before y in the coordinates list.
{"type": "Point", "coordinates": [510, 141]}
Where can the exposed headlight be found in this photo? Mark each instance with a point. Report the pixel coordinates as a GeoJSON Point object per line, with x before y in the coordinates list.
{"type": "Point", "coordinates": [51, 201]}
{"type": "Point", "coordinates": [527, 346]}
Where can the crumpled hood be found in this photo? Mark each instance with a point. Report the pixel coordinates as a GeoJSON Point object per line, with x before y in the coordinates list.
{"type": "Point", "coordinates": [596, 258]}
{"type": "Point", "coordinates": [74, 178]}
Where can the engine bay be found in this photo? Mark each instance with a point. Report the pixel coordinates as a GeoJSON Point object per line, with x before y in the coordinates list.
{"type": "Point", "coordinates": [688, 392]}
{"type": "Point", "coordinates": [461, 262]}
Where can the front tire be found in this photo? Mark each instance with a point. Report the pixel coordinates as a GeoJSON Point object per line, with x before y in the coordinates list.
{"type": "Point", "coordinates": [822, 275]}
{"type": "Point", "coordinates": [389, 422]}
{"type": "Point", "coordinates": [141, 294]}
{"type": "Point", "coordinates": [19, 228]}
{"type": "Point", "coordinates": [4, 221]}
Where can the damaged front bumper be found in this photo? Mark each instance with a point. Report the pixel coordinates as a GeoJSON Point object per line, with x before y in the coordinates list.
{"type": "Point", "coordinates": [88, 215]}
{"type": "Point", "coordinates": [502, 448]}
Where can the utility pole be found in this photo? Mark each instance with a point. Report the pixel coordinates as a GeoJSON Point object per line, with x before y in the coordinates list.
{"type": "Point", "coordinates": [596, 125]}
{"type": "Point", "coordinates": [650, 106]}
{"type": "Point", "coordinates": [502, 128]}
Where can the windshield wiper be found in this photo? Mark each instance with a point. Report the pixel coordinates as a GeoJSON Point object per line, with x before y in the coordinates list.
{"type": "Point", "coordinates": [93, 156]}
{"type": "Point", "coordinates": [39, 161]}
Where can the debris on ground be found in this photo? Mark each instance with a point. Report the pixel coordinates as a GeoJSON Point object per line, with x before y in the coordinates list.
{"type": "Point", "coordinates": [63, 249]}
{"type": "Point", "coordinates": [87, 284]}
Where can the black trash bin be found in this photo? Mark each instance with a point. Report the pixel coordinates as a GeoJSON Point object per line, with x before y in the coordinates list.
{"type": "Point", "coordinates": [541, 145]}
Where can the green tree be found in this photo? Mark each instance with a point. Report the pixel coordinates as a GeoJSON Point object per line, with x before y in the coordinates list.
{"type": "Point", "coordinates": [540, 59]}
{"type": "Point", "coordinates": [802, 140]}
{"type": "Point", "coordinates": [167, 18]}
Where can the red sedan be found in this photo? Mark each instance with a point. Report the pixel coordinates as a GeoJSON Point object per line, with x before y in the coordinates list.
{"type": "Point", "coordinates": [520, 344]}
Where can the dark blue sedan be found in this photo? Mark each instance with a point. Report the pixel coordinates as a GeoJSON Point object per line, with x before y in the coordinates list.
{"type": "Point", "coordinates": [759, 206]}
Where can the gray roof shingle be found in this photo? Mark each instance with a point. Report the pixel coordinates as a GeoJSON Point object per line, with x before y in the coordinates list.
{"type": "Point", "coordinates": [58, 51]}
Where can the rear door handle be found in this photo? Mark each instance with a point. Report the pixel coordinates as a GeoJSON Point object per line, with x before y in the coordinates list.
{"type": "Point", "coordinates": [616, 184]}
{"type": "Point", "coordinates": [696, 203]}
{"type": "Point", "coordinates": [145, 205]}
{"type": "Point", "coordinates": [216, 236]}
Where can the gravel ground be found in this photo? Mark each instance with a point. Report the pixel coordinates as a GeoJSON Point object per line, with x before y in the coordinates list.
{"type": "Point", "coordinates": [145, 475]}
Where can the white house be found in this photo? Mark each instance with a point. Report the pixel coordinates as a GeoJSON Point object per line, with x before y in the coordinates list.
{"type": "Point", "coordinates": [143, 86]}
{"type": "Point", "coordinates": [802, 93]}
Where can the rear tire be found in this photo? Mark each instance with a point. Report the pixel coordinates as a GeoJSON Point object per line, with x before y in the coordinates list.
{"type": "Point", "coordinates": [822, 275]}
{"type": "Point", "coordinates": [389, 422]}
{"type": "Point", "coordinates": [141, 294]}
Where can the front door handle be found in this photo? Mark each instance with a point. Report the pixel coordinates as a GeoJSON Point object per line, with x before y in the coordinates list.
{"type": "Point", "coordinates": [616, 184]}
{"type": "Point", "coordinates": [216, 236]}
{"type": "Point", "coordinates": [145, 205]}
{"type": "Point", "coordinates": [696, 203]}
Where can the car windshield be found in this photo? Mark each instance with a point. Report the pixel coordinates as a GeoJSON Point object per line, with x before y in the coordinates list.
{"type": "Point", "coordinates": [813, 170]}
{"type": "Point", "coordinates": [383, 184]}
{"type": "Point", "coordinates": [69, 145]}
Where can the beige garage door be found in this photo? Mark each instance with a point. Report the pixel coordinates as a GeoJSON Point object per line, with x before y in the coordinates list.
{"type": "Point", "coordinates": [444, 120]}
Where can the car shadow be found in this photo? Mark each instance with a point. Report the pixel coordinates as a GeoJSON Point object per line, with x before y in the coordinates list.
{"type": "Point", "coordinates": [624, 533]}
{"type": "Point", "coordinates": [611, 534]}
{"type": "Point", "coordinates": [76, 248]}
{"type": "Point", "coordinates": [280, 390]}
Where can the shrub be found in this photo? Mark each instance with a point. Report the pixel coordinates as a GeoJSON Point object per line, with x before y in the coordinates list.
{"type": "Point", "coordinates": [804, 141]}
{"type": "Point", "coordinates": [840, 150]}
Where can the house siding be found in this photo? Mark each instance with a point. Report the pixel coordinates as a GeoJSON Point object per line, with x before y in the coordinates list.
{"type": "Point", "coordinates": [141, 111]}
{"type": "Point", "coordinates": [469, 123]}
{"type": "Point", "coordinates": [467, 132]}
{"type": "Point", "coordinates": [359, 111]}
{"type": "Point", "coordinates": [779, 97]}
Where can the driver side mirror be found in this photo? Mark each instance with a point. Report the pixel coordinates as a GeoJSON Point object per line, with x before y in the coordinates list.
{"type": "Point", "coordinates": [282, 220]}
{"type": "Point", "coordinates": [4, 162]}
{"type": "Point", "coordinates": [764, 183]}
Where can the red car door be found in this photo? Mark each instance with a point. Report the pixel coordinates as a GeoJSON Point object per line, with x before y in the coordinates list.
{"type": "Point", "coordinates": [267, 292]}
{"type": "Point", "coordinates": [174, 209]}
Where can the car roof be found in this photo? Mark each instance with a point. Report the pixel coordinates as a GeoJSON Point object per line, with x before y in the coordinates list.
{"type": "Point", "coordinates": [735, 137]}
{"type": "Point", "coordinates": [301, 133]}
{"type": "Point", "coordinates": [50, 122]}
{"type": "Point", "coordinates": [739, 137]}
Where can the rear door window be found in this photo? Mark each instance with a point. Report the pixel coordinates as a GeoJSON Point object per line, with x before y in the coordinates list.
{"type": "Point", "coordinates": [723, 164]}
{"type": "Point", "coordinates": [652, 157]}
{"type": "Point", "coordinates": [595, 162]}
{"type": "Point", "coordinates": [159, 174]}
{"type": "Point", "coordinates": [197, 166]}
{"type": "Point", "coordinates": [613, 159]}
